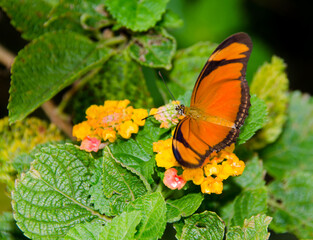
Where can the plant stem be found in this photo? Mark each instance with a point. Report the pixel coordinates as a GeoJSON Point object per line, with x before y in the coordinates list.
{"type": "Point", "coordinates": [53, 114]}
{"type": "Point", "coordinates": [6, 57]}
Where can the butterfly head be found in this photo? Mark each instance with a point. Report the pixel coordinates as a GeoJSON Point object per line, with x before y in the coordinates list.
{"type": "Point", "coordinates": [180, 109]}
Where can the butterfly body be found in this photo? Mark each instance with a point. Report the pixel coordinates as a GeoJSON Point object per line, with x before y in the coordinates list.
{"type": "Point", "coordinates": [219, 104]}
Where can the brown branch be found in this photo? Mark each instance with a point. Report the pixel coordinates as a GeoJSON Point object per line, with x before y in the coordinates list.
{"type": "Point", "coordinates": [6, 57]}
{"type": "Point", "coordinates": [53, 114]}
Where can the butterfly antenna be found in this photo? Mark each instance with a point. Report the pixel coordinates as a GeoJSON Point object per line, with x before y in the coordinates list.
{"type": "Point", "coordinates": [167, 87]}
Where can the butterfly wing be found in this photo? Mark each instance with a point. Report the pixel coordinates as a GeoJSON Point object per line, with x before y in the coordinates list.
{"type": "Point", "coordinates": [221, 91]}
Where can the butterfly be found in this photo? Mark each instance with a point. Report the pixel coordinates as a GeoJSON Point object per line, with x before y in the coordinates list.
{"type": "Point", "coordinates": [219, 104]}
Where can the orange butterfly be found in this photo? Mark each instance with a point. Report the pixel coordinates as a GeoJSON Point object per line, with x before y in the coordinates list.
{"type": "Point", "coordinates": [219, 104]}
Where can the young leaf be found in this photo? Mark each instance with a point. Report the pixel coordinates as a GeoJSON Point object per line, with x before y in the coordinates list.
{"type": "Point", "coordinates": [183, 207]}
{"type": "Point", "coordinates": [153, 212]}
{"type": "Point", "coordinates": [254, 121]}
{"type": "Point", "coordinates": [122, 227]}
{"type": "Point", "coordinates": [291, 204]}
{"type": "Point", "coordinates": [248, 203]}
{"type": "Point", "coordinates": [208, 225]}
{"type": "Point", "coordinates": [187, 65]}
{"type": "Point", "coordinates": [253, 228]}
{"type": "Point", "coordinates": [170, 20]}
{"type": "Point", "coordinates": [47, 65]}
{"type": "Point", "coordinates": [119, 185]}
{"type": "Point", "coordinates": [293, 150]}
{"type": "Point", "coordinates": [276, 99]}
{"type": "Point", "coordinates": [53, 196]}
{"type": "Point", "coordinates": [137, 15]}
{"type": "Point", "coordinates": [154, 50]}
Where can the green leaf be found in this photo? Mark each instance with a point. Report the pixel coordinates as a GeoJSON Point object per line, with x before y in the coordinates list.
{"type": "Point", "coordinates": [187, 65]}
{"type": "Point", "coordinates": [137, 15]}
{"type": "Point", "coordinates": [86, 14]}
{"type": "Point", "coordinates": [293, 150]}
{"type": "Point", "coordinates": [119, 186]}
{"type": "Point", "coordinates": [119, 77]}
{"type": "Point", "coordinates": [153, 211]}
{"type": "Point", "coordinates": [136, 154]}
{"type": "Point", "coordinates": [208, 225]}
{"type": "Point", "coordinates": [183, 207]}
{"type": "Point", "coordinates": [247, 204]}
{"type": "Point", "coordinates": [276, 99]}
{"type": "Point", "coordinates": [253, 228]}
{"type": "Point", "coordinates": [47, 65]}
{"type": "Point", "coordinates": [170, 20]}
{"type": "Point", "coordinates": [154, 50]}
{"type": "Point", "coordinates": [291, 204]}
{"type": "Point", "coordinates": [31, 25]}
{"type": "Point", "coordinates": [53, 196]}
{"type": "Point", "coordinates": [86, 230]}
{"type": "Point", "coordinates": [253, 175]}
{"type": "Point", "coordinates": [254, 121]}
{"type": "Point", "coordinates": [122, 227]}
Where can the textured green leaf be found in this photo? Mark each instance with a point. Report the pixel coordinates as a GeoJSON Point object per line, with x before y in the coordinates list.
{"type": "Point", "coordinates": [276, 99]}
{"type": "Point", "coordinates": [39, 22]}
{"type": "Point", "coordinates": [187, 65]}
{"type": "Point", "coordinates": [183, 207]}
{"type": "Point", "coordinates": [119, 78]}
{"type": "Point", "coordinates": [86, 14]}
{"type": "Point", "coordinates": [247, 204]}
{"type": "Point", "coordinates": [206, 225]}
{"type": "Point", "coordinates": [254, 121]}
{"type": "Point", "coordinates": [153, 211]}
{"type": "Point", "coordinates": [47, 65]}
{"type": "Point", "coordinates": [291, 204]}
{"type": "Point", "coordinates": [154, 50]}
{"type": "Point", "coordinates": [136, 154]}
{"type": "Point", "coordinates": [119, 186]}
{"type": "Point", "coordinates": [293, 150]}
{"type": "Point", "coordinates": [137, 15]}
{"type": "Point", "coordinates": [122, 227]}
{"type": "Point", "coordinates": [53, 196]}
{"type": "Point", "coordinates": [253, 175]}
{"type": "Point", "coordinates": [253, 228]}
{"type": "Point", "coordinates": [86, 230]}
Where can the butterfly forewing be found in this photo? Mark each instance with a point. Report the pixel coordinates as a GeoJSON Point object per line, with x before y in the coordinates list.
{"type": "Point", "coordinates": [221, 92]}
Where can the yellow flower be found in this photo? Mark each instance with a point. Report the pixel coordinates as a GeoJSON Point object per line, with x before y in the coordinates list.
{"type": "Point", "coordinates": [216, 168]}
{"type": "Point", "coordinates": [194, 174]}
{"type": "Point", "coordinates": [127, 128]}
{"type": "Point", "coordinates": [164, 157]}
{"type": "Point", "coordinates": [105, 121]}
{"type": "Point", "coordinates": [139, 115]}
{"type": "Point", "coordinates": [109, 134]}
{"type": "Point", "coordinates": [82, 130]}
{"type": "Point", "coordinates": [212, 185]}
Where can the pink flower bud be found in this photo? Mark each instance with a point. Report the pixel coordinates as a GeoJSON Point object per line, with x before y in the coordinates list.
{"type": "Point", "coordinates": [172, 180]}
{"type": "Point", "coordinates": [90, 144]}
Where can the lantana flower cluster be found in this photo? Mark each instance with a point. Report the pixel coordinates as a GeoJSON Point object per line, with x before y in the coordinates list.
{"type": "Point", "coordinates": [105, 122]}
{"type": "Point", "coordinates": [166, 115]}
{"type": "Point", "coordinates": [216, 168]}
